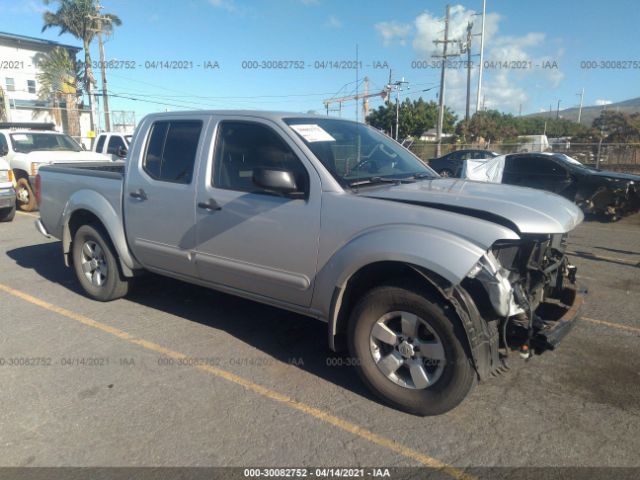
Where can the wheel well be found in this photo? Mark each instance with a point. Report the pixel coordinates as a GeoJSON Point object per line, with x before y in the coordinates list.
{"type": "Point", "coordinates": [82, 217]}
{"type": "Point", "coordinates": [20, 174]}
{"type": "Point", "coordinates": [376, 274]}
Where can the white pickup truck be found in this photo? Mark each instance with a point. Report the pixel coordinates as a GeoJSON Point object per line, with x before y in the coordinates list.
{"type": "Point", "coordinates": [28, 146]}
{"type": "Point", "coordinates": [429, 281]}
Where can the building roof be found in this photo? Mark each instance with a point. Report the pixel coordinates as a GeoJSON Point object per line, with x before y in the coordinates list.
{"type": "Point", "coordinates": [39, 41]}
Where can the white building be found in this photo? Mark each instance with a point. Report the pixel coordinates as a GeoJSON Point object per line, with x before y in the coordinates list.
{"type": "Point", "coordinates": [19, 57]}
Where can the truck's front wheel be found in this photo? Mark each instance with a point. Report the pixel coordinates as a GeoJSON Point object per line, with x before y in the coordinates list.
{"type": "Point", "coordinates": [409, 351]}
{"type": "Point", "coordinates": [96, 264]}
{"type": "Point", "coordinates": [25, 198]}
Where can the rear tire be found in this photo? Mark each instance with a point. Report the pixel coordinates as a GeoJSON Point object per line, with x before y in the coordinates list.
{"type": "Point", "coordinates": [431, 370]}
{"type": "Point", "coordinates": [25, 198]}
{"type": "Point", "coordinates": [96, 264]}
{"type": "Point", "coordinates": [7, 214]}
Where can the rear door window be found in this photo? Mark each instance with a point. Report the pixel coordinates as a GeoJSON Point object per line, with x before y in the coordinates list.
{"type": "Point", "coordinates": [100, 144]}
{"type": "Point", "coordinates": [171, 150]}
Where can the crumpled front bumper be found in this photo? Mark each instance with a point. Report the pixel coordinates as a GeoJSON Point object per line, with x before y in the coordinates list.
{"type": "Point", "coordinates": [556, 318]}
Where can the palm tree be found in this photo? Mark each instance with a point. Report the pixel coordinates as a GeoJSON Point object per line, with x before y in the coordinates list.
{"type": "Point", "coordinates": [83, 20]}
{"type": "Point", "coordinates": [59, 80]}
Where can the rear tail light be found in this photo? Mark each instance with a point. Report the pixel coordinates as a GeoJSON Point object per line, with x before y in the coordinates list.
{"type": "Point", "coordinates": [38, 189]}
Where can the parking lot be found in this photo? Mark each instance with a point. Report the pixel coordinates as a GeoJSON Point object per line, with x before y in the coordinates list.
{"type": "Point", "coordinates": [177, 375]}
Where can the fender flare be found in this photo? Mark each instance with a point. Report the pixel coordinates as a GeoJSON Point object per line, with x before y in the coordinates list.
{"type": "Point", "coordinates": [96, 204]}
{"type": "Point", "coordinates": [441, 258]}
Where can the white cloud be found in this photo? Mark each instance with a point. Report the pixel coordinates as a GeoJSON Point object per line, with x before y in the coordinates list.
{"type": "Point", "coordinates": [227, 5]}
{"type": "Point", "coordinates": [333, 22]}
{"type": "Point", "coordinates": [502, 87]}
{"type": "Point", "coordinates": [392, 32]}
{"type": "Point", "coordinates": [601, 102]}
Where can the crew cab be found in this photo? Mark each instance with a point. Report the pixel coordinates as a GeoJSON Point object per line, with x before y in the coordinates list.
{"type": "Point", "coordinates": [428, 282]}
{"type": "Point", "coordinates": [27, 146]}
{"type": "Point", "coordinates": [113, 144]}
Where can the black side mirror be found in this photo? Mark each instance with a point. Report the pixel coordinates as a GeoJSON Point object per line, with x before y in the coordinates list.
{"type": "Point", "coordinates": [121, 152]}
{"type": "Point", "coordinates": [278, 181]}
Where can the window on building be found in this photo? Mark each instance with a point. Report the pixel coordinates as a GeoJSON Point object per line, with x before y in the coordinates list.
{"type": "Point", "coordinates": [31, 86]}
{"type": "Point", "coordinates": [11, 86]}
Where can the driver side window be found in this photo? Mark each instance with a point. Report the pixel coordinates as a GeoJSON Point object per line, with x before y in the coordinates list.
{"type": "Point", "coordinates": [242, 147]}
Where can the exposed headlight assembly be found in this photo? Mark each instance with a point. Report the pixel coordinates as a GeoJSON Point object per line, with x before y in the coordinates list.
{"type": "Point", "coordinates": [495, 280]}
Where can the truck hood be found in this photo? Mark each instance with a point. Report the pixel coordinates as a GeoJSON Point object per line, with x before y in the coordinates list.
{"type": "Point", "coordinates": [64, 156]}
{"type": "Point", "coordinates": [525, 210]}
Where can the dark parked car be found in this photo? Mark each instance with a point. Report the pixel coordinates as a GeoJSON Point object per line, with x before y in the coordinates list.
{"type": "Point", "coordinates": [450, 165]}
{"type": "Point", "coordinates": [595, 191]}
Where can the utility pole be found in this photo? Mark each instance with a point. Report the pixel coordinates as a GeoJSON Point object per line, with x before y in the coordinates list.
{"type": "Point", "coordinates": [558, 110]}
{"type": "Point", "coordinates": [398, 86]}
{"type": "Point", "coordinates": [365, 99]}
{"type": "Point", "coordinates": [581, 100]}
{"type": "Point", "coordinates": [444, 57]}
{"type": "Point", "coordinates": [484, 14]}
{"type": "Point", "coordinates": [467, 47]}
{"type": "Point", "coordinates": [105, 95]}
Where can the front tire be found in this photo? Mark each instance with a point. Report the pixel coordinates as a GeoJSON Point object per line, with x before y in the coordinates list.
{"type": "Point", "coordinates": [96, 264]}
{"type": "Point", "coordinates": [25, 198]}
{"type": "Point", "coordinates": [410, 350]}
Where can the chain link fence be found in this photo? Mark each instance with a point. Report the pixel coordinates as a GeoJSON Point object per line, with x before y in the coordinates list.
{"type": "Point", "coordinates": [619, 157]}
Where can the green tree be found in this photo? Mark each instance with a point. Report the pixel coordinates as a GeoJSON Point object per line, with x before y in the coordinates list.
{"type": "Point", "coordinates": [618, 127]}
{"type": "Point", "coordinates": [59, 80]}
{"type": "Point", "coordinates": [415, 117]}
{"type": "Point", "coordinates": [83, 20]}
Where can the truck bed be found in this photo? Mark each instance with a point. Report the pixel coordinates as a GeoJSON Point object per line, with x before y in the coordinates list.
{"type": "Point", "coordinates": [92, 183]}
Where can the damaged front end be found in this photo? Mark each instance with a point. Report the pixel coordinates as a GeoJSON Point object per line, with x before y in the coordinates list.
{"type": "Point", "coordinates": [612, 197]}
{"type": "Point", "coordinates": [528, 287]}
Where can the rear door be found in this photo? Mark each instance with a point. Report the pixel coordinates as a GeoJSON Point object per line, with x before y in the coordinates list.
{"type": "Point", "coordinates": [159, 196]}
{"type": "Point", "coordinates": [250, 239]}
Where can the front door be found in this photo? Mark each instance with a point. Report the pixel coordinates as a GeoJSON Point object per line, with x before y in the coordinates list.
{"type": "Point", "coordinates": [250, 239]}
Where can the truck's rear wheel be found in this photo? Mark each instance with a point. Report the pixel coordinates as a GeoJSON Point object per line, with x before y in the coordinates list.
{"type": "Point", "coordinates": [25, 198]}
{"type": "Point", "coordinates": [96, 264]}
{"type": "Point", "coordinates": [409, 352]}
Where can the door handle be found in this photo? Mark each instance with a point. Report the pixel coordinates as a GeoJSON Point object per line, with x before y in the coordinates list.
{"type": "Point", "coordinates": [210, 205]}
{"type": "Point", "coordinates": [139, 194]}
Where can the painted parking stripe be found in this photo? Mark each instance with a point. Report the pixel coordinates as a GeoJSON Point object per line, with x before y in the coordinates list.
{"type": "Point", "coordinates": [619, 326]}
{"type": "Point", "coordinates": [28, 214]}
{"type": "Point", "coordinates": [314, 412]}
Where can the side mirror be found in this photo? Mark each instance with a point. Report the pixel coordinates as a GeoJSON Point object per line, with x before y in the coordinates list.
{"type": "Point", "coordinates": [121, 152]}
{"type": "Point", "coordinates": [279, 181]}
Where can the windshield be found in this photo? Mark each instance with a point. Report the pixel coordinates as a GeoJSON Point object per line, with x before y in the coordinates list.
{"type": "Point", "coordinates": [353, 152]}
{"type": "Point", "coordinates": [29, 142]}
{"type": "Point", "coordinates": [567, 159]}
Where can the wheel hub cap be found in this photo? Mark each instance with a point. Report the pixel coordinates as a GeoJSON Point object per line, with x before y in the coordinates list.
{"type": "Point", "coordinates": [94, 264]}
{"type": "Point", "coordinates": [407, 350]}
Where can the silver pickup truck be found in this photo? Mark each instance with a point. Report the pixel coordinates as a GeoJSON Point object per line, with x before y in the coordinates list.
{"type": "Point", "coordinates": [429, 282]}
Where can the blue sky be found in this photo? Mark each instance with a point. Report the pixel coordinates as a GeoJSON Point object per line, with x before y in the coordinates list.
{"type": "Point", "coordinates": [545, 32]}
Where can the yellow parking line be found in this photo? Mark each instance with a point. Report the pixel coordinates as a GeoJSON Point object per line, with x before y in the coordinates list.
{"type": "Point", "coordinates": [588, 255]}
{"type": "Point", "coordinates": [314, 412]}
{"type": "Point", "coordinates": [28, 214]}
{"type": "Point", "coordinates": [612, 325]}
